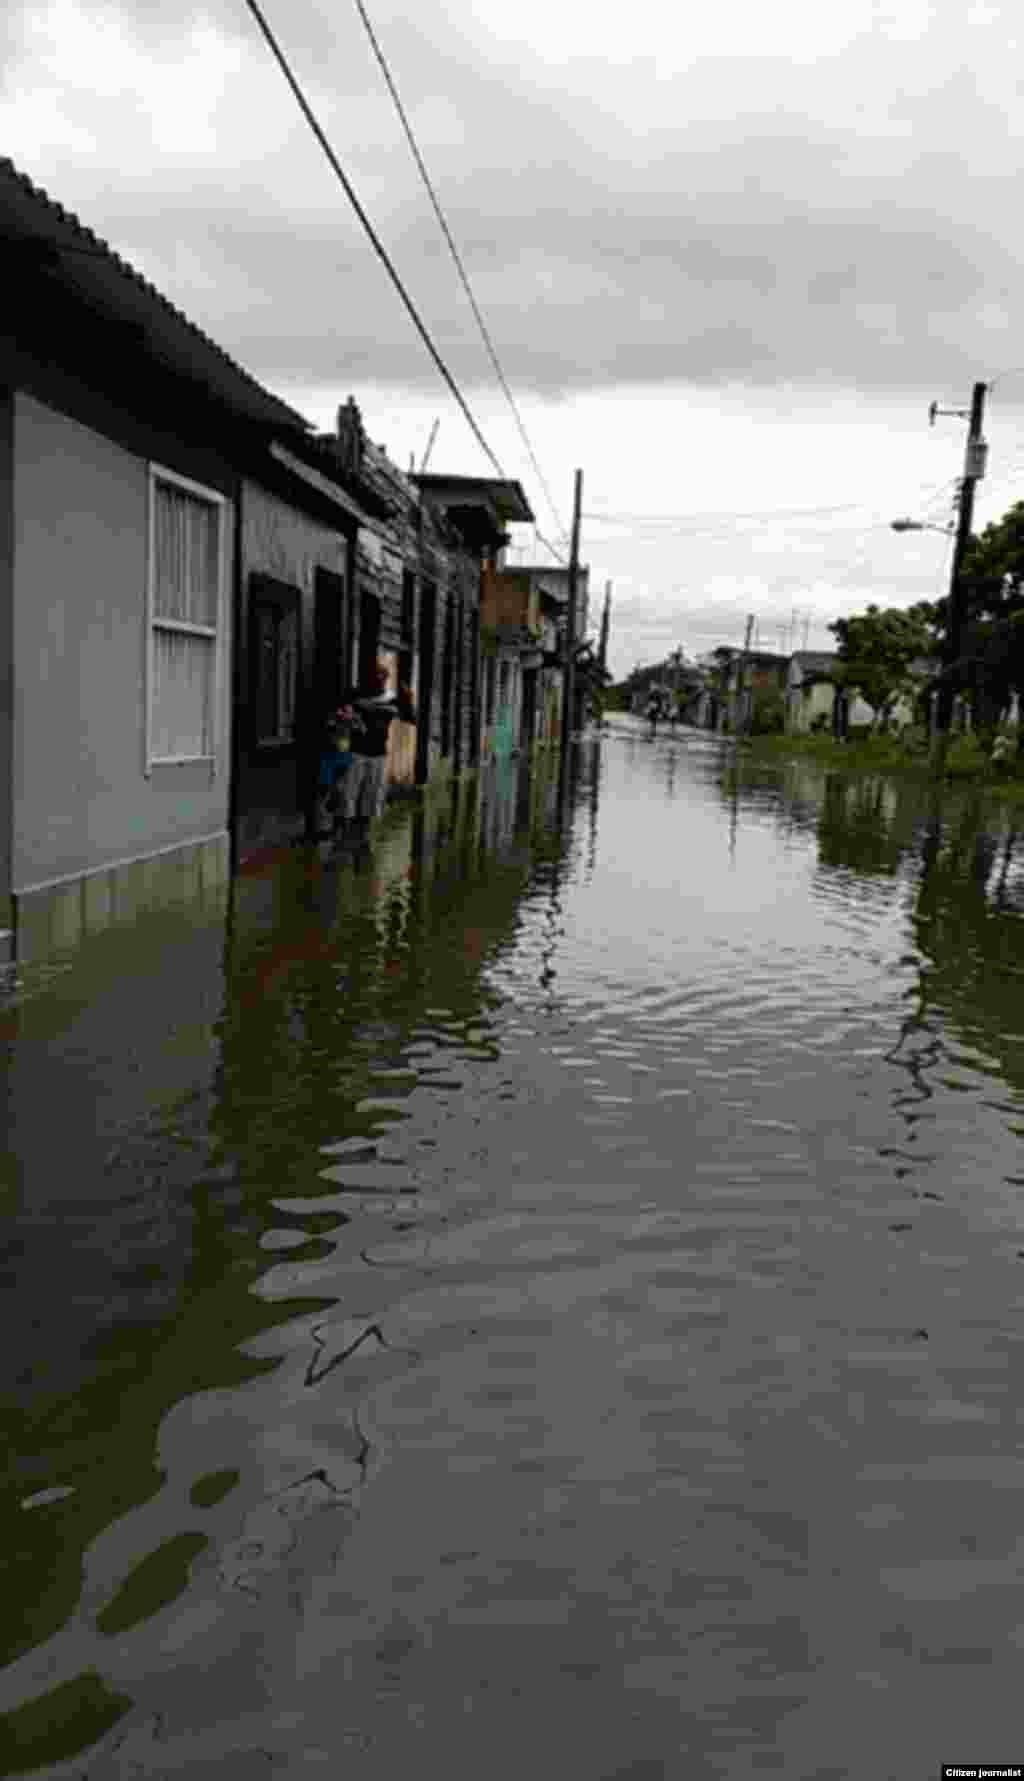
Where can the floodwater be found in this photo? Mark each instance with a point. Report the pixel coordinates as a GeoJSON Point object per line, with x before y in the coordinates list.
{"type": "Point", "coordinates": [546, 1298]}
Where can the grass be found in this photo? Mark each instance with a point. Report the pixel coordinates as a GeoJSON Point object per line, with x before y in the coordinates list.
{"type": "Point", "coordinates": [966, 761]}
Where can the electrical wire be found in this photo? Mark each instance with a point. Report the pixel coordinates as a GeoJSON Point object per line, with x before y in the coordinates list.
{"type": "Point", "coordinates": [378, 246]}
{"type": "Point", "coordinates": [457, 258]}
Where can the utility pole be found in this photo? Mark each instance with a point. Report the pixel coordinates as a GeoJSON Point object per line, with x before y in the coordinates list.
{"type": "Point", "coordinates": [569, 672]}
{"type": "Point", "coordinates": [742, 716]}
{"type": "Point", "coordinates": [974, 469]}
{"type": "Point", "coordinates": [602, 652]}
{"type": "Point", "coordinates": [430, 445]}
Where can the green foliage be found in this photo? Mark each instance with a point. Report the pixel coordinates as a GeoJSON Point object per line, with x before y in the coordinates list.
{"type": "Point", "coordinates": [992, 645]}
{"type": "Point", "coordinates": [876, 649]}
{"type": "Point", "coordinates": [768, 716]}
{"type": "Point", "coordinates": [993, 567]}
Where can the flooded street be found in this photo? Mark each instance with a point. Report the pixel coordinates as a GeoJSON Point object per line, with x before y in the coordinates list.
{"type": "Point", "coordinates": [547, 1298]}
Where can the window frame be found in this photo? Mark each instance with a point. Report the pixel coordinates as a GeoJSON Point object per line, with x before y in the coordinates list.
{"type": "Point", "coordinates": [286, 599]}
{"type": "Point", "coordinates": [157, 474]}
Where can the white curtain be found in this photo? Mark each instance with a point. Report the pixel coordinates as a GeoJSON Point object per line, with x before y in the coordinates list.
{"type": "Point", "coordinates": [183, 684]}
{"type": "Point", "coordinates": [186, 584]}
{"type": "Point", "coordinates": [186, 557]}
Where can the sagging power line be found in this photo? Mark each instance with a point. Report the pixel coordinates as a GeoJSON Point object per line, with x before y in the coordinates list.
{"type": "Point", "coordinates": [377, 244]}
{"type": "Point", "coordinates": [457, 258]}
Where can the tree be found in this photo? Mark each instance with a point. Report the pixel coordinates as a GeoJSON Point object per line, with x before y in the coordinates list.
{"type": "Point", "coordinates": [876, 649]}
{"type": "Point", "coordinates": [991, 667]}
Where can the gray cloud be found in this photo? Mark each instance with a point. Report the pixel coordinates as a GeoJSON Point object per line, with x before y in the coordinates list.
{"type": "Point", "coordinates": [753, 246]}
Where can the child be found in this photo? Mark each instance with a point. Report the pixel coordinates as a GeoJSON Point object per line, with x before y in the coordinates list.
{"type": "Point", "coordinates": [335, 762]}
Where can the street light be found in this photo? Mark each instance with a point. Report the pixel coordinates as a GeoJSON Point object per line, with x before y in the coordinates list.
{"type": "Point", "coordinates": [920, 525]}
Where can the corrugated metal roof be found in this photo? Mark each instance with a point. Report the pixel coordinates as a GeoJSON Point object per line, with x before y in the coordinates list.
{"type": "Point", "coordinates": [29, 214]}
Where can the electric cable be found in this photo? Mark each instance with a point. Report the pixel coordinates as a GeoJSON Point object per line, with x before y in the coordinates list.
{"type": "Point", "coordinates": [378, 246]}
{"type": "Point", "coordinates": [457, 258]}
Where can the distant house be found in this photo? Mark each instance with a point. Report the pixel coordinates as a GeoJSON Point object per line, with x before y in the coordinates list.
{"type": "Point", "coordinates": [751, 674]}
{"type": "Point", "coordinates": [811, 688]}
{"type": "Point", "coordinates": [524, 654]}
{"type": "Point", "coordinates": [479, 634]}
{"type": "Point", "coordinates": [810, 691]}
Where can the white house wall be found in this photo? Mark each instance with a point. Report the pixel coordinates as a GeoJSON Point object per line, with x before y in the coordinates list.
{"type": "Point", "coordinates": [81, 798]}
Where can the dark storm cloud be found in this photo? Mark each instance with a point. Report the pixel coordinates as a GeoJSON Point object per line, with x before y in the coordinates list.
{"type": "Point", "coordinates": [762, 249]}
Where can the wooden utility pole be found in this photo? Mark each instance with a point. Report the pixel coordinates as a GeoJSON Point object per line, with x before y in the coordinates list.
{"type": "Point", "coordinates": [742, 716]}
{"type": "Point", "coordinates": [430, 445]}
{"type": "Point", "coordinates": [956, 609]}
{"type": "Point", "coordinates": [602, 652]}
{"type": "Point", "coordinates": [569, 672]}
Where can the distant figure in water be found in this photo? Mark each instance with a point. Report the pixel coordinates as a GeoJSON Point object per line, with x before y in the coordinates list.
{"type": "Point", "coordinates": [653, 713]}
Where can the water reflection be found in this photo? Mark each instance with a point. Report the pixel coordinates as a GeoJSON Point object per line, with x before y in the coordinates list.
{"type": "Point", "coordinates": [550, 1283]}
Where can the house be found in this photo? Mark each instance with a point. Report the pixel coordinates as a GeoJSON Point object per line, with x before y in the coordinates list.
{"type": "Point", "coordinates": [810, 691]}
{"type": "Point", "coordinates": [543, 593]}
{"type": "Point", "coordinates": [751, 676]}
{"type": "Point", "coordinates": [473, 514]}
{"type": "Point", "coordinates": [512, 643]}
{"type": "Point", "coordinates": [125, 435]}
{"type": "Point", "coordinates": [306, 508]}
{"type": "Point", "coordinates": [811, 688]}
{"type": "Point", "coordinates": [189, 578]}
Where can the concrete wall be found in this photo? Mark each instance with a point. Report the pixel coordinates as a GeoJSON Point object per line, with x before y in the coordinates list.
{"type": "Point", "coordinates": [806, 703]}
{"type": "Point", "coordinates": [81, 798]}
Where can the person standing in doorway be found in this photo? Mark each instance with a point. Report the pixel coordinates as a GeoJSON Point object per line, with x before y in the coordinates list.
{"type": "Point", "coordinates": [375, 708]}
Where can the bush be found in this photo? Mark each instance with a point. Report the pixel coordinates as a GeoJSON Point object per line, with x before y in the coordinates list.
{"type": "Point", "coordinates": [914, 739]}
{"type": "Point", "coordinates": [966, 756]}
{"type": "Point", "coordinates": [768, 717]}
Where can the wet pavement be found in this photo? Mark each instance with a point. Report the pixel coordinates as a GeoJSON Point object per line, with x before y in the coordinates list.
{"type": "Point", "coordinates": [546, 1296]}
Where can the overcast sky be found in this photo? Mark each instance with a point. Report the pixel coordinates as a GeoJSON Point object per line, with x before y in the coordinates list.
{"type": "Point", "coordinates": [727, 255]}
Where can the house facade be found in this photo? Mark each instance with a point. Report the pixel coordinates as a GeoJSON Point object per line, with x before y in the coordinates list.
{"type": "Point", "coordinates": [542, 592]}
{"type": "Point", "coordinates": [812, 689]}
{"type": "Point", "coordinates": [120, 507]}
{"type": "Point", "coordinates": [512, 643]}
{"type": "Point", "coordinates": [477, 625]}
{"type": "Point", "coordinates": [751, 675]}
{"type": "Point", "coordinates": [190, 578]}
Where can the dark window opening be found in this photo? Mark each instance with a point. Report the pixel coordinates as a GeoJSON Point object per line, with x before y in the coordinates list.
{"type": "Point", "coordinates": [275, 661]}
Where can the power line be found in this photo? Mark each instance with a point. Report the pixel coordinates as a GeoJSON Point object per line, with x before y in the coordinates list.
{"type": "Point", "coordinates": [457, 257]}
{"type": "Point", "coordinates": [378, 246]}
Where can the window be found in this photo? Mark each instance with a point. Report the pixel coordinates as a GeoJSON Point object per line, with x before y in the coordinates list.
{"type": "Point", "coordinates": [186, 578]}
{"type": "Point", "coordinates": [275, 660]}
